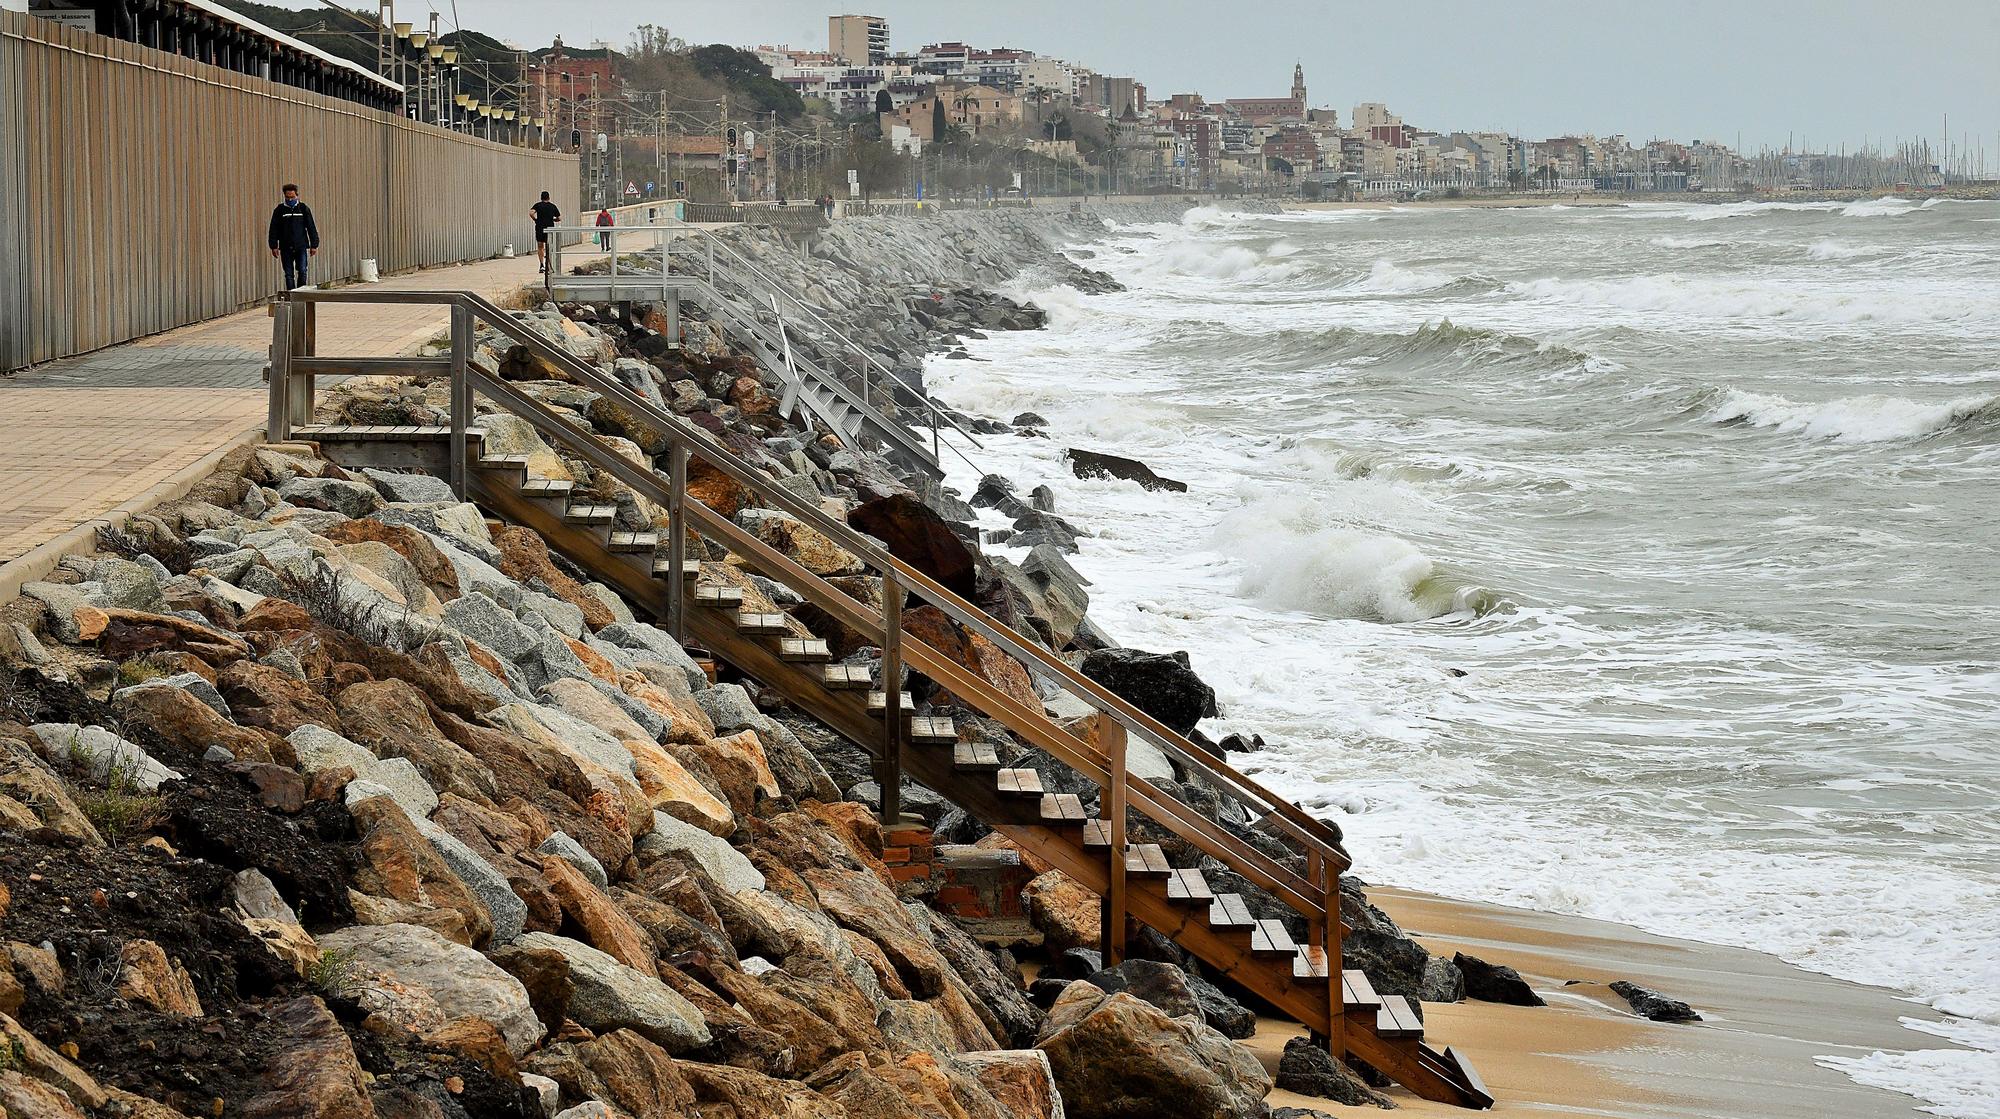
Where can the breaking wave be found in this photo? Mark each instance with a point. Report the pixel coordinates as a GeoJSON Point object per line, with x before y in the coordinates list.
{"type": "Point", "coordinates": [1827, 248]}
{"type": "Point", "coordinates": [1871, 418]}
{"type": "Point", "coordinates": [1297, 557]}
{"type": "Point", "coordinates": [1430, 345]}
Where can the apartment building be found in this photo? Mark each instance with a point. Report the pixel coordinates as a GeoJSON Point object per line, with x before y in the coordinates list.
{"type": "Point", "coordinates": [861, 40]}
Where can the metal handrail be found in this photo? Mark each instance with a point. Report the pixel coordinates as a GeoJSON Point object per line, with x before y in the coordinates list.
{"type": "Point", "coordinates": [1313, 896]}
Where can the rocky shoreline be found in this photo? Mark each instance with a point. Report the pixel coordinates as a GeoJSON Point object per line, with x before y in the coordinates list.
{"type": "Point", "coordinates": [322, 796]}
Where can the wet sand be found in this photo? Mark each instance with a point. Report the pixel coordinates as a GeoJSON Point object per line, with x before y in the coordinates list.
{"type": "Point", "coordinates": [1587, 1054]}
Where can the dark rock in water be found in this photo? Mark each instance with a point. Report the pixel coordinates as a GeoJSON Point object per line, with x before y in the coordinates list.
{"type": "Point", "coordinates": [1163, 985]}
{"type": "Point", "coordinates": [1309, 1070]}
{"type": "Point", "coordinates": [1159, 684]}
{"type": "Point", "coordinates": [1042, 498]}
{"type": "Point", "coordinates": [1029, 419]}
{"type": "Point", "coordinates": [1298, 1113]}
{"type": "Point", "coordinates": [996, 492]}
{"type": "Point", "coordinates": [1237, 744]}
{"type": "Point", "coordinates": [1091, 464]}
{"type": "Point", "coordinates": [1648, 1003]}
{"type": "Point", "coordinates": [1032, 527]}
{"type": "Point", "coordinates": [1495, 982]}
{"type": "Point", "coordinates": [1076, 963]}
{"type": "Point", "coordinates": [919, 537]}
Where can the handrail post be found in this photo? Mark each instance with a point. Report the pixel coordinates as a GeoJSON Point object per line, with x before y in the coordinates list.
{"type": "Point", "coordinates": [1111, 736]}
{"type": "Point", "coordinates": [677, 478]}
{"type": "Point", "coordinates": [461, 394]}
{"type": "Point", "coordinates": [889, 767]}
{"type": "Point", "coordinates": [278, 409]}
{"type": "Point", "coordinates": [1336, 1031]}
{"type": "Point", "coordinates": [306, 402]}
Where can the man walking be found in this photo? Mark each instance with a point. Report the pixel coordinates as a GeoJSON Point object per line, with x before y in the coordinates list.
{"type": "Point", "coordinates": [545, 215]}
{"type": "Point", "coordinates": [293, 237]}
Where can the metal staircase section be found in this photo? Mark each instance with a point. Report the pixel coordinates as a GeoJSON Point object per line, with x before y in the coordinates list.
{"type": "Point", "coordinates": [703, 601]}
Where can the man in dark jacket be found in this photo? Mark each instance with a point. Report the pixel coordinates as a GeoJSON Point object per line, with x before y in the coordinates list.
{"type": "Point", "coordinates": [293, 237]}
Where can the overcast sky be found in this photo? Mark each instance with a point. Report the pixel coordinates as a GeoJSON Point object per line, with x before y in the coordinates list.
{"type": "Point", "coordinates": [1832, 71]}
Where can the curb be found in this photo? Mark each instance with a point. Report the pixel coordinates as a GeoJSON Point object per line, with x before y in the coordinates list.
{"type": "Point", "coordinates": [38, 561]}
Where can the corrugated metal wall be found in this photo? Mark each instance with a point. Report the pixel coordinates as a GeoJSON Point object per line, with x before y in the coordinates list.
{"type": "Point", "coordinates": [136, 186]}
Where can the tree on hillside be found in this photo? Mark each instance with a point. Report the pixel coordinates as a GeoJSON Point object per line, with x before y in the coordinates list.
{"type": "Point", "coordinates": [751, 80]}
{"type": "Point", "coordinates": [938, 126]}
{"type": "Point", "coordinates": [883, 102]}
{"type": "Point", "coordinates": [650, 42]}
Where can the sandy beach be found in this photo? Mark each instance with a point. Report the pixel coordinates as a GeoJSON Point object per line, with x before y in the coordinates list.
{"type": "Point", "coordinates": [1765, 1022]}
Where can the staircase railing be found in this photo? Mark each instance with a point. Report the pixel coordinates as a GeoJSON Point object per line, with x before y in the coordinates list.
{"type": "Point", "coordinates": [1315, 894]}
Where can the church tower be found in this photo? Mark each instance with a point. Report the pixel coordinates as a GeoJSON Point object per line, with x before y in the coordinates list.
{"type": "Point", "coordinates": [1299, 85]}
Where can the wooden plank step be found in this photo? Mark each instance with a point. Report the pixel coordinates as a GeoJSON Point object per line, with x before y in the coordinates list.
{"type": "Point", "coordinates": [501, 462]}
{"type": "Point", "coordinates": [634, 541]}
{"type": "Point", "coordinates": [720, 597]}
{"type": "Point", "coordinates": [1230, 912]}
{"type": "Point", "coordinates": [1188, 887]}
{"type": "Point", "coordinates": [591, 514]}
{"type": "Point", "coordinates": [750, 621]}
{"type": "Point", "coordinates": [846, 677]}
{"type": "Point", "coordinates": [690, 568]}
{"type": "Point", "coordinates": [1396, 1019]}
{"type": "Point", "coordinates": [547, 488]}
{"type": "Point", "coordinates": [371, 433]}
{"type": "Point", "coordinates": [1269, 938]}
{"type": "Point", "coordinates": [803, 649]}
{"type": "Point", "coordinates": [933, 730]}
{"type": "Point", "coordinates": [1096, 835]}
{"type": "Point", "coordinates": [975, 756]}
{"type": "Point", "coordinates": [1310, 963]}
{"type": "Point", "coordinates": [1469, 1077]}
{"type": "Point", "coordinates": [1062, 809]}
{"type": "Point", "coordinates": [1146, 860]}
{"type": "Point", "coordinates": [878, 701]}
{"type": "Point", "coordinates": [1019, 783]}
{"type": "Point", "coordinates": [1356, 993]}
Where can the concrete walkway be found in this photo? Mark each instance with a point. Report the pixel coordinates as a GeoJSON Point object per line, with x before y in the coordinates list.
{"type": "Point", "coordinates": [111, 431]}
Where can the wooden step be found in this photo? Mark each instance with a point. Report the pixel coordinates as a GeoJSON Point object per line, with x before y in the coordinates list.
{"type": "Point", "coordinates": [1310, 963]}
{"type": "Point", "coordinates": [591, 514]}
{"type": "Point", "coordinates": [719, 597]}
{"type": "Point", "coordinates": [1019, 783]}
{"type": "Point", "coordinates": [690, 568]}
{"type": "Point", "coordinates": [1062, 809]}
{"type": "Point", "coordinates": [752, 622]}
{"type": "Point", "coordinates": [1230, 912]}
{"type": "Point", "coordinates": [1188, 887]}
{"type": "Point", "coordinates": [803, 649]}
{"type": "Point", "coordinates": [933, 730]}
{"type": "Point", "coordinates": [634, 541]}
{"type": "Point", "coordinates": [1269, 938]}
{"type": "Point", "coordinates": [382, 433]}
{"type": "Point", "coordinates": [1096, 835]}
{"type": "Point", "coordinates": [846, 677]}
{"type": "Point", "coordinates": [1146, 860]}
{"type": "Point", "coordinates": [975, 757]}
{"type": "Point", "coordinates": [1356, 993]}
{"type": "Point", "coordinates": [501, 462]}
{"type": "Point", "coordinates": [1468, 1077]}
{"type": "Point", "coordinates": [878, 701]}
{"type": "Point", "coordinates": [544, 489]}
{"type": "Point", "coordinates": [1396, 1019]}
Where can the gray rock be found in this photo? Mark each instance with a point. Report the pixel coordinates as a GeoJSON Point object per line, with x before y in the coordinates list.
{"type": "Point", "coordinates": [649, 720]}
{"type": "Point", "coordinates": [19, 645]}
{"type": "Point", "coordinates": [510, 914]}
{"type": "Point", "coordinates": [413, 975]}
{"type": "Point", "coordinates": [565, 617]}
{"type": "Point", "coordinates": [1493, 982]}
{"type": "Point", "coordinates": [123, 584]}
{"type": "Point", "coordinates": [61, 601]}
{"type": "Point", "coordinates": [350, 499]}
{"type": "Point", "coordinates": [723, 863]}
{"type": "Point", "coordinates": [257, 897]}
{"type": "Point", "coordinates": [1648, 1003]}
{"type": "Point", "coordinates": [105, 757]}
{"type": "Point", "coordinates": [414, 489]}
{"type": "Point", "coordinates": [320, 749]}
{"type": "Point", "coordinates": [728, 706]}
{"type": "Point", "coordinates": [479, 618]}
{"type": "Point", "coordinates": [570, 851]}
{"type": "Point", "coordinates": [1310, 1070]}
{"type": "Point", "coordinates": [548, 1094]}
{"type": "Point", "coordinates": [191, 682]}
{"type": "Point", "coordinates": [621, 613]}
{"type": "Point", "coordinates": [1443, 982]}
{"type": "Point", "coordinates": [1163, 985]}
{"type": "Point", "coordinates": [611, 996]}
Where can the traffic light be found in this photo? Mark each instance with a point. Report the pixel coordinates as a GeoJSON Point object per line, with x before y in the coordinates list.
{"type": "Point", "coordinates": [732, 138]}
{"type": "Point", "coordinates": [576, 138]}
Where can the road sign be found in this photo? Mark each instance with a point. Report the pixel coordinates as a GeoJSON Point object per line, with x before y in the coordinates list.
{"type": "Point", "coordinates": [853, 189]}
{"type": "Point", "coordinates": [631, 190]}
{"type": "Point", "coordinates": [853, 176]}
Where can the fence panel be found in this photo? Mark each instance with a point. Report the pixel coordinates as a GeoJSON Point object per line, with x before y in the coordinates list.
{"type": "Point", "coordinates": [135, 186]}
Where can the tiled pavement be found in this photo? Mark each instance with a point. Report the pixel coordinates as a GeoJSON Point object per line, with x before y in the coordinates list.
{"type": "Point", "coordinates": [80, 437]}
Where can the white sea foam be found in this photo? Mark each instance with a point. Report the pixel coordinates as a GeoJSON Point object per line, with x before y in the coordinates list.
{"type": "Point", "coordinates": [1390, 278]}
{"type": "Point", "coordinates": [1827, 248]}
{"type": "Point", "coordinates": [1763, 299]}
{"type": "Point", "coordinates": [1853, 419]}
{"type": "Point", "coordinates": [1885, 207]}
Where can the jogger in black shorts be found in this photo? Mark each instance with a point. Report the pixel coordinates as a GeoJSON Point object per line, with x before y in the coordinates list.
{"type": "Point", "coordinates": [545, 215]}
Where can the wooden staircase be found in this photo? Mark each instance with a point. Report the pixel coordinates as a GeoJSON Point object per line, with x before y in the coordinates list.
{"type": "Point", "coordinates": [1138, 881]}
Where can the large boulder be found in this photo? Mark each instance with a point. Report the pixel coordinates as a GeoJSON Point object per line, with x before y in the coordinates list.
{"type": "Point", "coordinates": [1019, 1080]}
{"type": "Point", "coordinates": [1648, 1003]}
{"type": "Point", "coordinates": [609, 996]}
{"type": "Point", "coordinates": [802, 543]}
{"type": "Point", "coordinates": [1163, 985]}
{"type": "Point", "coordinates": [915, 534]}
{"type": "Point", "coordinates": [319, 1077]}
{"type": "Point", "coordinates": [1063, 911]}
{"type": "Point", "coordinates": [1309, 1070]}
{"type": "Point", "coordinates": [413, 976]}
{"type": "Point", "coordinates": [1092, 464]}
{"type": "Point", "coordinates": [1120, 1057]}
{"type": "Point", "coordinates": [1160, 684]}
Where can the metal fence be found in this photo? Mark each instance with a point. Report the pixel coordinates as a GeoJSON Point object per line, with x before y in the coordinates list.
{"type": "Point", "coordinates": [136, 185]}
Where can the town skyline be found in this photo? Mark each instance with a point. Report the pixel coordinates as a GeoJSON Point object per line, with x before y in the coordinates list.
{"type": "Point", "coordinates": [1846, 78]}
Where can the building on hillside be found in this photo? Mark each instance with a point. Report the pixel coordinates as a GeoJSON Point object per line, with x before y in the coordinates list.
{"type": "Point", "coordinates": [861, 40]}
{"type": "Point", "coordinates": [1373, 114]}
{"type": "Point", "coordinates": [1262, 110]}
{"type": "Point", "coordinates": [977, 109]}
{"type": "Point", "coordinates": [1295, 146]}
{"type": "Point", "coordinates": [1051, 74]}
{"type": "Point", "coordinates": [573, 88]}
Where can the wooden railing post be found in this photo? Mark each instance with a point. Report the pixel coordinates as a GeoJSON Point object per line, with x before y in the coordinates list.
{"type": "Point", "coordinates": [461, 395]}
{"type": "Point", "coordinates": [305, 343]}
{"type": "Point", "coordinates": [1111, 736]}
{"type": "Point", "coordinates": [677, 480]}
{"type": "Point", "coordinates": [278, 410]}
{"type": "Point", "coordinates": [1336, 1002]}
{"type": "Point", "coordinates": [889, 766]}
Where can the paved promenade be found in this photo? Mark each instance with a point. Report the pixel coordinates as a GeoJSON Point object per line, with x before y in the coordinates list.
{"type": "Point", "coordinates": [81, 437]}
